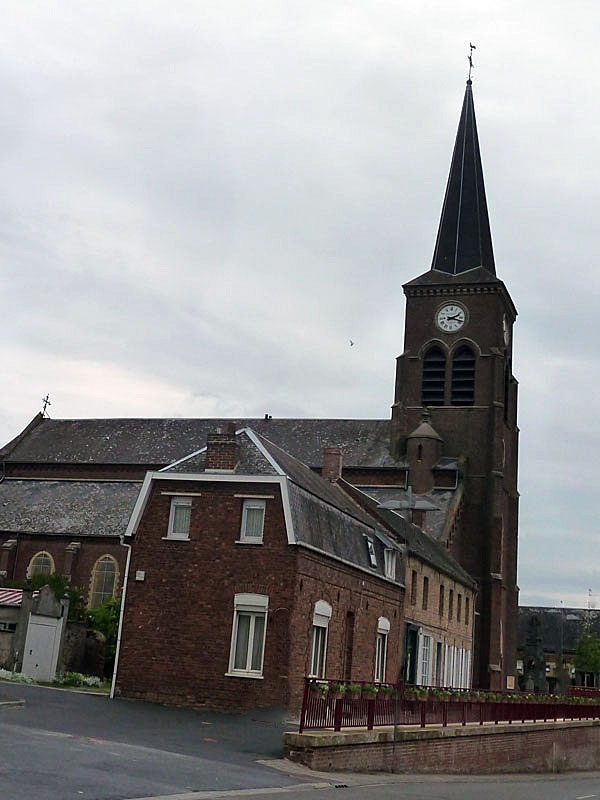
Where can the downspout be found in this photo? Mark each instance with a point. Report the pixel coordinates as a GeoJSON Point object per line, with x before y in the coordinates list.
{"type": "Point", "coordinates": [120, 631]}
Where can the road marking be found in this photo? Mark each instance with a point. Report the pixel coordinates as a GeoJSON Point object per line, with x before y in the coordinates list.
{"type": "Point", "coordinates": [586, 796]}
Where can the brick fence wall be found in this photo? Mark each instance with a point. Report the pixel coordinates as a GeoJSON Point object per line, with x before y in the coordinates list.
{"type": "Point", "coordinates": [532, 747]}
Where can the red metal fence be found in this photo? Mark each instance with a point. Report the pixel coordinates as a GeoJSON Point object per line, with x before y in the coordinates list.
{"type": "Point", "coordinates": [394, 705]}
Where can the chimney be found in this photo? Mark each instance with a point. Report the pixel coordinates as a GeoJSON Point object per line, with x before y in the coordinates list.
{"type": "Point", "coordinates": [222, 451]}
{"type": "Point", "coordinates": [332, 463]}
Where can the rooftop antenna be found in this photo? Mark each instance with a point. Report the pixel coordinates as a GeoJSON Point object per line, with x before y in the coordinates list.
{"type": "Point", "coordinates": [470, 57]}
{"type": "Point", "coordinates": [46, 402]}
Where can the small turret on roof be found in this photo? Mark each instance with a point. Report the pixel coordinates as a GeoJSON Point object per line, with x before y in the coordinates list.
{"type": "Point", "coordinates": [425, 429]}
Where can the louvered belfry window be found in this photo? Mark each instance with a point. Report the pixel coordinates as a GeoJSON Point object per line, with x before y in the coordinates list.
{"type": "Point", "coordinates": [463, 377]}
{"type": "Point", "coordinates": [434, 377]}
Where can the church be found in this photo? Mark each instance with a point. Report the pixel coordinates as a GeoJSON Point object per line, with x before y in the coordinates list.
{"type": "Point", "coordinates": [433, 484]}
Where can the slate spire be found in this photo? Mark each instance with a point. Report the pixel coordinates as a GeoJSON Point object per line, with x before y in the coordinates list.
{"type": "Point", "coordinates": [464, 240]}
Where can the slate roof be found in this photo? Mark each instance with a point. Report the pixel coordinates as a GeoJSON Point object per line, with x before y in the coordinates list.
{"type": "Point", "coordinates": [324, 527]}
{"type": "Point", "coordinates": [418, 542]}
{"type": "Point", "coordinates": [436, 278]}
{"type": "Point", "coordinates": [159, 442]}
{"type": "Point", "coordinates": [74, 508]}
{"type": "Point", "coordinates": [440, 499]}
{"type": "Point", "coordinates": [325, 490]}
{"type": "Point", "coordinates": [464, 239]}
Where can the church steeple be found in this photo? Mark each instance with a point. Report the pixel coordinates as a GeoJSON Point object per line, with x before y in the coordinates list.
{"type": "Point", "coordinates": [464, 240]}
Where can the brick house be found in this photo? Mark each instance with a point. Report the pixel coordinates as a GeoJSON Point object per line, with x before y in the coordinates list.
{"type": "Point", "coordinates": [439, 607]}
{"type": "Point", "coordinates": [247, 571]}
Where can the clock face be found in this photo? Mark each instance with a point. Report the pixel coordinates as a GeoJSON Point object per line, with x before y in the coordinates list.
{"type": "Point", "coordinates": [451, 317]}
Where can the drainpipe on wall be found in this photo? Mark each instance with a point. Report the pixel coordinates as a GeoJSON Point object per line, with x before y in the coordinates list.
{"type": "Point", "coordinates": [119, 633]}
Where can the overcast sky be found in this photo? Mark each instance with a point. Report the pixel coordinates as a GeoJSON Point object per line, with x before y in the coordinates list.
{"type": "Point", "coordinates": [202, 202]}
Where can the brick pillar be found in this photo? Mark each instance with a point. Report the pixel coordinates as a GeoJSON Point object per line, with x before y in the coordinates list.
{"type": "Point", "coordinates": [70, 550]}
{"type": "Point", "coordinates": [332, 463]}
{"type": "Point", "coordinates": [9, 546]}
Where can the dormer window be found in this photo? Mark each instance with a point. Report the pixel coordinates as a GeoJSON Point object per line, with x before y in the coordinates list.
{"type": "Point", "coordinates": [389, 558]}
{"type": "Point", "coordinates": [371, 551]}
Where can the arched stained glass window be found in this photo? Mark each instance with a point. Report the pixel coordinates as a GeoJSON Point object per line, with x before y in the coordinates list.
{"type": "Point", "coordinates": [104, 580]}
{"type": "Point", "coordinates": [41, 564]}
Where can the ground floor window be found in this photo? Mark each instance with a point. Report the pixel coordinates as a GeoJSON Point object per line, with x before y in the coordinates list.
{"type": "Point", "coordinates": [248, 635]}
{"type": "Point", "coordinates": [457, 672]}
{"type": "Point", "coordinates": [380, 653]}
{"type": "Point", "coordinates": [320, 626]}
{"type": "Point", "coordinates": [383, 628]}
{"type": "Point", "coordinates": [425, 660]}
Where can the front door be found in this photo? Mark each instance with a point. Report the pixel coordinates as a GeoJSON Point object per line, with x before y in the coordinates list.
{"type": "Point", "coordinates": [411, 649]}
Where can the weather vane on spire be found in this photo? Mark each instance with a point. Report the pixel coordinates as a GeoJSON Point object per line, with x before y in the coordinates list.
{"type": "Point", "coordinates": [470, 57]}
{"type": "Point", "coordinates": [46, 402]}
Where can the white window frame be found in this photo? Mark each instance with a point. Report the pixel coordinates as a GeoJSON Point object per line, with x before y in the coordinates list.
{"type": "Point", "coordinates": [254, 606]}
{"type": "Point", "coordinates": [252, 504]}
{"type": "Point", "coordinates": [383, 629]}
{"type": "Point", "coordinates": [371, 551]}
{"type": "Point", "coordinates": [179, 502]}
{"type": "Point", "coordinates": [318, 639]}
{"type": "Point", "coordinates": [389, 558]}
{"type": "Point", "coordinates": [425, 651]}
{"type": "Point", "coordinates": [97, 580]}
{"type": "Point", "coordinates": [48, 555]}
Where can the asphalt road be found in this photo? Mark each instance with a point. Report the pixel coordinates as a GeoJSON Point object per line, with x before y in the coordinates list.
{"type": "Point", "coordinates": [533, 787]}
{"type": "Point", "coordinates": [64, 745]}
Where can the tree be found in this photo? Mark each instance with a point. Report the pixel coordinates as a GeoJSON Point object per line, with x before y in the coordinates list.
{"type": "Point", "coordinates": [61, 588]}
{"type": "Point", "coordinates": [105, 618]}
{"type": "Point", "coordinates": [587, 653]}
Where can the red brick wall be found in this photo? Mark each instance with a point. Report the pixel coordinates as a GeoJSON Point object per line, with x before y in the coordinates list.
{"type": "Point", "coordinates": [92, 548]}
{"type": "Point", "coordinates": [178, 621]}
{"type": "Point", "coordinates": [529, 748]}
{"type": "Point", "coordinates": [128, 472]}
{"type": "Point", "coordinates": [345, 589]}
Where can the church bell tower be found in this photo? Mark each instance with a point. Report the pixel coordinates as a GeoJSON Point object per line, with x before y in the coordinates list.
{"type": "Point", "coordinates": [456, 366]}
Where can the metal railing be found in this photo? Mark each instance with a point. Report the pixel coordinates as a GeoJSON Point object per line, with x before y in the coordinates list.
{"type": "Point", "coordinates": [325, 706]}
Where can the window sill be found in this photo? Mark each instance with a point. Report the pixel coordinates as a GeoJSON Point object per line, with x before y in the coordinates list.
{"type": "Point", "coordinates": [244, 675]}
{"type": "Point", "coordinates": [248, 541]}
{"type": "Point", "coordinates": [175, 539]}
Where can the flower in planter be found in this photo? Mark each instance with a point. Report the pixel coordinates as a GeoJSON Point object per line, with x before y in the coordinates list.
{"type": "Point", "coordinates": [320, 688]}
{"type": "Point", "coordinates": [337, 689]}
{"type": "Point", "coordinates": [354, 690]}
{"type": "Point", "coordinates": [370, 692]}
{"type": "Point", "coordinates": [411, 693]}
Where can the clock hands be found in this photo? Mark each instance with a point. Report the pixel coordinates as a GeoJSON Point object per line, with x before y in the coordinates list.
{"type": "Point", "coordinates": [451, 317]}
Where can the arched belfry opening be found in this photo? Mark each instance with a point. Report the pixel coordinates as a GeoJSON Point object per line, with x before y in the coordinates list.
{"type": "Point", "coordinates": [434, 377]}
{"type": "Point", "coordinates": [463, 377]}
